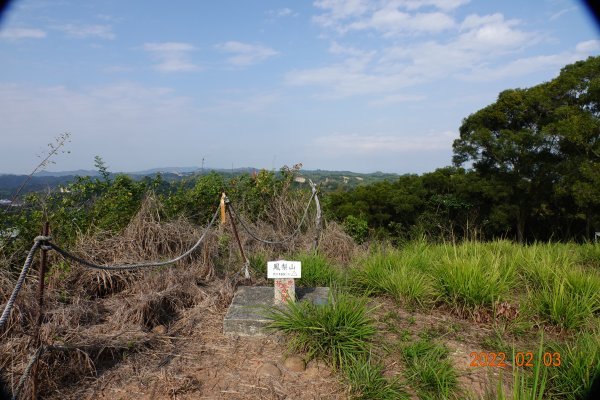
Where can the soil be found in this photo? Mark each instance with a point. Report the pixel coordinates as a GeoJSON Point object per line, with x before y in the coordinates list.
{"type": "Point", "coordinates": [202, 363]}
{"type": "Point", "coordinates": [194, 360]}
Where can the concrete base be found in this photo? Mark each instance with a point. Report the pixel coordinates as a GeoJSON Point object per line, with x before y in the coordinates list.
{"type": "Point", "coordinates": [245, 315]}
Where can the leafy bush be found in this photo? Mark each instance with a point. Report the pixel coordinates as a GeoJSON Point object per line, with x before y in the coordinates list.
{"type": "Point", "coordinates": [357, 228]}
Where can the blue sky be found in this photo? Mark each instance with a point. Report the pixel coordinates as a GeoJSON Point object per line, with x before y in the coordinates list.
{"type": "Point", "coordinates": [356, 85]}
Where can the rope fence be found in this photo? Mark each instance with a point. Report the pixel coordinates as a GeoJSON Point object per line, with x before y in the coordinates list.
{"type": "Point", "coordinates": [45, 243]}
{"type": "Point", "coordinates": [254, 236]}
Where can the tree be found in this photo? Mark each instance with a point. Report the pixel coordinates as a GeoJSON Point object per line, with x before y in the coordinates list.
{"type": "Point", "coordinates": [539, 146]}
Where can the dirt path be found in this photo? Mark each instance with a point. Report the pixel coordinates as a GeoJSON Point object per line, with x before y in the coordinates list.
{"type": "Point", "coordinates": [205, 364]}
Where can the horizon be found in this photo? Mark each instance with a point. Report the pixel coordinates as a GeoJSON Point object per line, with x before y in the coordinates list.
{"type": "Point", "coordinates": [335, 85]}
{"type": "Point", "coordinates": [190, 169]}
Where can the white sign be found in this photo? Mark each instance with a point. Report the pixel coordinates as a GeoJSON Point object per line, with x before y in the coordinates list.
{"type": "Point", "coordinates": [283, 269]}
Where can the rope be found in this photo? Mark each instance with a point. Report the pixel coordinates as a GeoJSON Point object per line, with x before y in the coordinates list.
{"type": "Point", "coordinates": [27, 371]}
{"type": "Point", "coordinates": [122, 267]}
{"type": "Point", "coordinates": [11, 301]}
{"type": "Point", "coordinates": [294, 233]}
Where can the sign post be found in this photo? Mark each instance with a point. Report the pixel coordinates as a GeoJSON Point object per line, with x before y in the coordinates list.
{"type": "Point", "coordinates": [284, 272]}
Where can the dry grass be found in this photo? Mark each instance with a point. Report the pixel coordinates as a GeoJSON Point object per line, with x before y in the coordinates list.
{"type": "Point", "coordinates": [94, 320]}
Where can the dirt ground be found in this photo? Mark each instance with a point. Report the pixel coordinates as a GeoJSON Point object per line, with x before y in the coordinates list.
{"type": "Point", "coordinates": [208, 365]}
{"type": "Point", "coordinates": [192, 359]}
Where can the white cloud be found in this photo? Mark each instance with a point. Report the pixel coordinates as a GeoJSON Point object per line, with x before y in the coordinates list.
{"type": "Point", "coordinates": [245, 54]}
{"type": "Point", "coordinates": [492, 33]}
{"type": "Point", "coordinates": [560, 13]}
{"type": "Point", "coordinates": [588, 47]}
{"type": "Point", "coordinates": [390, 17]}
{"type": "Point", "coordinates": [356, 144]}
{"type": "Point", "coordinates": [85, 31]}
{"type": "Point", "coordinates": [476, 43]}
{"type": "Point", "coordinates": [446, 5]}
{"type": "Point", "coordinates": [172, 56]}
{"type": "Point", "coordinates": [528, 65]}
{"type": "Point", "coordinates": [22, 33]}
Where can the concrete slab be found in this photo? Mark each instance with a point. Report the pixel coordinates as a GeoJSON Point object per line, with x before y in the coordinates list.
{"type": "Point", "coordinates": [244, 317]}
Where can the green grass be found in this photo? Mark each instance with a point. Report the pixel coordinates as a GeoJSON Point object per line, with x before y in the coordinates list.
{"type": "Point", "coordinates": [552, 285]}
{"type": "Point", "coordinates": [316, 270]}
{"type": "Point", "coordinates": [430, 370]}
{"type": "Point", "coordinates": [396, 274]}
{"type": "Point", "coordinates": [366, 382]}
{"type": "Point", "coordinates": [580, 362]}
{"type": "Point", "coordinates": [339, 332]}
{"type": "Point", "coordinates": [473, 282]}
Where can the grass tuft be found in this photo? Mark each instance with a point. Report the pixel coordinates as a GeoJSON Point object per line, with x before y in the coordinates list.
{"type": "Point", "coordinates": [339, 332]}
{"type": "Point", "coordinates": [430, 370]}
{"type": "Point", "coordinates": [366, 381]}
{"type": "Point", "coordinates": [316, 270]}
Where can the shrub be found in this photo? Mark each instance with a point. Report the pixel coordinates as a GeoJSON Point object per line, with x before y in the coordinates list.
{"type": "Point", "coordinates": [356, 227]}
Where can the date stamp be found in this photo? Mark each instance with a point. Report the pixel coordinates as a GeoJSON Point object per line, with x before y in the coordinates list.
{"type": "Point", "coordinates": [522, 359]}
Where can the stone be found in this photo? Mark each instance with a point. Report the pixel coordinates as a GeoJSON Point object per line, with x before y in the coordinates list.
{"type": "Point", "coordinates": [269, 369]}
{"type": "Point", "coordinates": [295, 364]}
{"type": "Point", "coordinates": [285, 290]}
{"type": "Point", "coordinates": [246, 314]}
{"type": "Point", "coordinates": [159, 329]}
{"type": "Point", "coordinates": [317, 368]}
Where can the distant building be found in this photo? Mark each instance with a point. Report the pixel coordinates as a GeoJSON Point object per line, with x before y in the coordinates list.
{"type": "Point", "coordinates": [4, 202]}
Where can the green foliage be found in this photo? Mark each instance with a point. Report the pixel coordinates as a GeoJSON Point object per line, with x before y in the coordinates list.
{"type": "Point", "coordinates": [430, 369]}
{"type": "Point", "coordinates": [476, 281]}
{"type": "Point", "coordinates": [316, 271]}
{"type": "Point", "coordinates": [565, 305]}
{"type": "Point", "coordinates": [395, 274]}
{"type": "Point", "coordinates": [580, 362]}
{"type": "Point", "coordinates": [528, 385]}
{"type": "Point", "coordinates": [366, 381]}
{"type": "Point", "coordinates": [357, 228]}
{"type": "Point", "coordinates": [113, 210]}
{"type": "Point", "coordinates": [339, 332]}
{"type": "Point", "coordinates": [102, 169]}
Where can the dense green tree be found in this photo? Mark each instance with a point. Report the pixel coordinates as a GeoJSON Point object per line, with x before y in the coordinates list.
{"type": "Point", "coordinates": [540, 148]}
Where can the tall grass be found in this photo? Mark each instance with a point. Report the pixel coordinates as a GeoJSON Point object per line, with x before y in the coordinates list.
{"type": "Point", "coordinates": [366, 381]}
{"type": "Point", "coordinates": [528, 385]}
{"type": "Point", "coordinates": [476, 281]}
{"type": "Point", "coordinates": [580, 362]}
{"type": "Point", "coordinates": [339, 332]}
{"type": "Point", "coordinates": [316, 270]}
{"type": "Point", "coordinates": [398, 274]}
{"type": "Point", "coordinates": [430, 370]}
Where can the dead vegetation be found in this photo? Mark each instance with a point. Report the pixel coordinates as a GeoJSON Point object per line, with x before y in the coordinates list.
{"type": "Point", "coordinates": [94, 320]}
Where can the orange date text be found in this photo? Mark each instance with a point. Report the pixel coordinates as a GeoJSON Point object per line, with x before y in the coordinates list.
{"type": "Point", "coordinates": [521, 359]}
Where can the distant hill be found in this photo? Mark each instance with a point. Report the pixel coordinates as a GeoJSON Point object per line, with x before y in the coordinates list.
{"type": "Point", "coordinates": [327, 180]}
{"type": "Point", "coordinates": [79, 172]}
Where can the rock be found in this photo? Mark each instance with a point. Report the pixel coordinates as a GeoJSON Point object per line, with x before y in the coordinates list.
{"type": "Point", "coordinates": [160, 329]}
{"type": "Point", "coordinates": [316, 369]}
{"type": "Point", "coordinates": [295, 364]}
{"type": "Point", "coordinates": [269, 369]}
